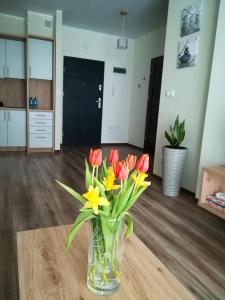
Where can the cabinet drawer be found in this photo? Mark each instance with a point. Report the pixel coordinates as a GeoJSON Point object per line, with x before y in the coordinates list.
{"type": "Point", "coordinates": [40, 123]}
{"type": "Point", "coordinates": [40, 129]}
{"type": "Point", "coordinates": [40, 115]}
{"type": "Point", "coordinates": [41, 140]}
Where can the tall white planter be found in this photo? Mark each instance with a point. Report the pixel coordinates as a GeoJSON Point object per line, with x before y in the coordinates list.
{"type": "Point", "coordinates": [173, 166]}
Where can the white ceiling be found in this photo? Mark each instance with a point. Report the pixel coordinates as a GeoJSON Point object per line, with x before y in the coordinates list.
{"type": "Point", "coordinates": [97, 15]}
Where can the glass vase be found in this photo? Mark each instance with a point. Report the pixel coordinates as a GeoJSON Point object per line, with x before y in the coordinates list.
{"type": "Point", "coordinates": [105, 255]}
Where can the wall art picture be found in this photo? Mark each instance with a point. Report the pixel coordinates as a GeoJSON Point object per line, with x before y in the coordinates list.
{"type": "Point", "coordinates": [187, 52]}
{"type": "Point", "coordinates": [190, 19]}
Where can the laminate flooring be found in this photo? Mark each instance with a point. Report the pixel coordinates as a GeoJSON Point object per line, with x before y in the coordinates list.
{"type": "Point", "coordinates": [187, 239]}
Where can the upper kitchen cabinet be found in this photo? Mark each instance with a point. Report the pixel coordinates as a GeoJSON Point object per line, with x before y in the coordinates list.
{"type": "Point", "coordinates": [2, 58]}
{"type": "Point", "coordinates": [40, 59]}
{"type": "Point", "coordinates": [15, 59]}
{"type": "Point", "coordinates": [12, 59]}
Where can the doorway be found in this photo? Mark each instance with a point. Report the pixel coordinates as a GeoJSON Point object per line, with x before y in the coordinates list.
{"type": "Point", "coordinates": [153, 105]}
{"type": "Point", "coordinates": [83, 82]}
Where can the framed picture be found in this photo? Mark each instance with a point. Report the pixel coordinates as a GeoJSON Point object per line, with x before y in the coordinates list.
{"type": "Point", "coordinates": [190, 19]}
{"type": "Point", "coordinates": [187, 52]}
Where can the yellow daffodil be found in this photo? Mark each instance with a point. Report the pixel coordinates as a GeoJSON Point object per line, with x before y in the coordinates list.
{"type": "Point", "coordinates": [109, 181]}
{"type": "Point", "coordinates": [94, 200]}
{"type": "Point", "coordinates": [140, 179]}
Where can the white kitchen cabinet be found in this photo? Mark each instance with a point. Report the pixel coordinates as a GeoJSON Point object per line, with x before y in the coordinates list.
{"type": "Point", "coordinates": [15, 59]}
{"type": "Point", "coordinates": [12, 128]}
{"type": "Point", "coordinates": [16, 128]}
{"type": "Point", "coordinates": [2, 58]}
{"type": "Point", "coordinates": [40, 59]}
{"type": "Point", "coordinates": [3, 128]}
{"type": "Point", "coordinates": [40, 129]}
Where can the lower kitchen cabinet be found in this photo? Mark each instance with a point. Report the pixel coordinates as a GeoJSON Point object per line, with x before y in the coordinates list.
{"type": "Point", "coordinates": [12, 128]}
{"type": "Point", "coordinates": [16, 128]}
{"type": "Point", "coordinates": [3, 129]}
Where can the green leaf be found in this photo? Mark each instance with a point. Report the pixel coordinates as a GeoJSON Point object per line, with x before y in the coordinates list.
{"type": "Point", "coordinates": [87, 175]}
{"type": "Point", "coordinates": [135, 197]}
{"type": "Point", "coordinates": [124, 199]}
{"type": "Point", "coordinates": [70, 191]}
{"type": "Point", "coordinates": [83, 217]}
{"type": "Point", "coordinates": [104, 169]}
{"type": "Point", "coordinates": [130, 225]}
{"type": "Point", "coordinates": [100, 186]}
{"type": "Point", "coordinates": [169, 139]}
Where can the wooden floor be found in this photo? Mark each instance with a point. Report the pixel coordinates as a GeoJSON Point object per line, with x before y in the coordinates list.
{"type": "Point", "coordinates": [187, 239]}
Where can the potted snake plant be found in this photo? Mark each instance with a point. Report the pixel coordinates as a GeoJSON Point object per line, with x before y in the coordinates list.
{"type": "Point", "coordinates": [174, 157]}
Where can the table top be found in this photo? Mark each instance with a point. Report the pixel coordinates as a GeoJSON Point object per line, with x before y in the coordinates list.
{"type": "Point", "coordinates": [46, 271]}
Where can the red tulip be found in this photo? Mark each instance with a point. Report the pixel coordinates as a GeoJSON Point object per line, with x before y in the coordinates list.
{"type": "Point", "coordinates": [114, 156]}
{"type": "Point", "coordinates": [95, 157]}
{"type": "Point", "coordinates": [120, 170]}
{"type": "Point", "coordinates": [131, 161]}
{"type": "Point", "coordinates": [143, 163]}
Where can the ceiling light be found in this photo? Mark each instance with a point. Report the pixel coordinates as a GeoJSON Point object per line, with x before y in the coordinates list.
{"type": "Point", "coordinates": [122, 42]}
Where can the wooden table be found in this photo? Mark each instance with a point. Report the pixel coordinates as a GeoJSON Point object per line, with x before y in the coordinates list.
{"type": "Point", "coordinates": [47, 272]}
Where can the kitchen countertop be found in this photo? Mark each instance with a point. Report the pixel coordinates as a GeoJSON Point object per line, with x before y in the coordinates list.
{"type": "Point", "coordinates": [11, 108]}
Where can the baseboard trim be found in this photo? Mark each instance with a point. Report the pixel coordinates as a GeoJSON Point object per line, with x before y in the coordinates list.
{"type": "Point", "coordinates": [40, 150]}
{"type": "Point", "coordinates": [13, 149]}
{"type": "Point", "coordinates": [122, 144]}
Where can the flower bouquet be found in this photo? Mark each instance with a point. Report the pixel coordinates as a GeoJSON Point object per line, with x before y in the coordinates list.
{"type": "Point", "coordinates": [112, 190]}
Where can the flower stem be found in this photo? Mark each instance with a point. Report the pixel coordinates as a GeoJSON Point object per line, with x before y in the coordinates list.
{"type": "Point", "coordinates": [92, 176]}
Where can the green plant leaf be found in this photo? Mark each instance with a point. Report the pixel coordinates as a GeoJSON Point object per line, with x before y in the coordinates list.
{"type": "Point", "coordinates": [168, 137]}
{"type": "Point", "coordinates": [70, 191]}
{"type": "Point", "coordinates": [104, 170]}
{"type": "Point", "coordinates": [134, 198]}
{"type": "Point", "coordinates": [87, 175]}
{"type": "Point", "coordinates": [130, 226]}
{"type": "Point", "coordinates": [101, 187]}
{"type": "Point", "coordinates": [83, 217]}
{"type": "Point", "coordinates": [124, 199]}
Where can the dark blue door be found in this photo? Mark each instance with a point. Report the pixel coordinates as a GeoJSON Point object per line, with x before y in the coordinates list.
{"type": "Point", "coordinates": [82, 101]}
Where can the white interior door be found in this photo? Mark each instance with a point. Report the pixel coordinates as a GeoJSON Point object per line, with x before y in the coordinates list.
{"type": "Point", "coordinates": [2, 57]}
{"type": "Point", "coordinates": [15, 59]}
{"type": "Point", "coordinates": [16, 128]}
{"type": "Point", "coordinates": [3, 128]}
{"type": "Point", "coordinates": [40, 59]}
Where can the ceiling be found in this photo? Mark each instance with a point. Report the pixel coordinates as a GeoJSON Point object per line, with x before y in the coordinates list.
{"type": "Point", "coordinates": [97, 15]}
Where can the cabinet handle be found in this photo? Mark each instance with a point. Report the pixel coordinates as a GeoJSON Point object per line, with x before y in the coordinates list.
{"type": "Point", "coordinates": [29, 71]}
{"type": "Point", "coordinates": [41, 116]}
{"type": "Point", "coordinates": [3, 71]}
{"type": "Point", "coordinates": [41, 137]}
{"type": "Point", "coordinates": [8, 71]}
{"type": "Point", "coordinates": [41, 130]}
{"type": "Point", "coordinates": [4, 115]}
{"type": "Point", "coordinates": [40, 122]}
{"type": "Point", "coordinates": [9, 116]}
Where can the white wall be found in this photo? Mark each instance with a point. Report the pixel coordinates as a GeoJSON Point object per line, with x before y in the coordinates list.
{"type": "Point", "coordinates": [12, 25]}
{"type": "Point", "coordinates": [145, 48]}
{"type": "Point", "coordinates": [213, 143]}
{"type": "Point", "coordinates": [117, 88]}
{"type": "Point", "coordinates": [190, 85]}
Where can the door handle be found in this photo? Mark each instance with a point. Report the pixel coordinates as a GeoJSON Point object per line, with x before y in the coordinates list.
{"type": "Point", "coordinates": [99, 101]}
